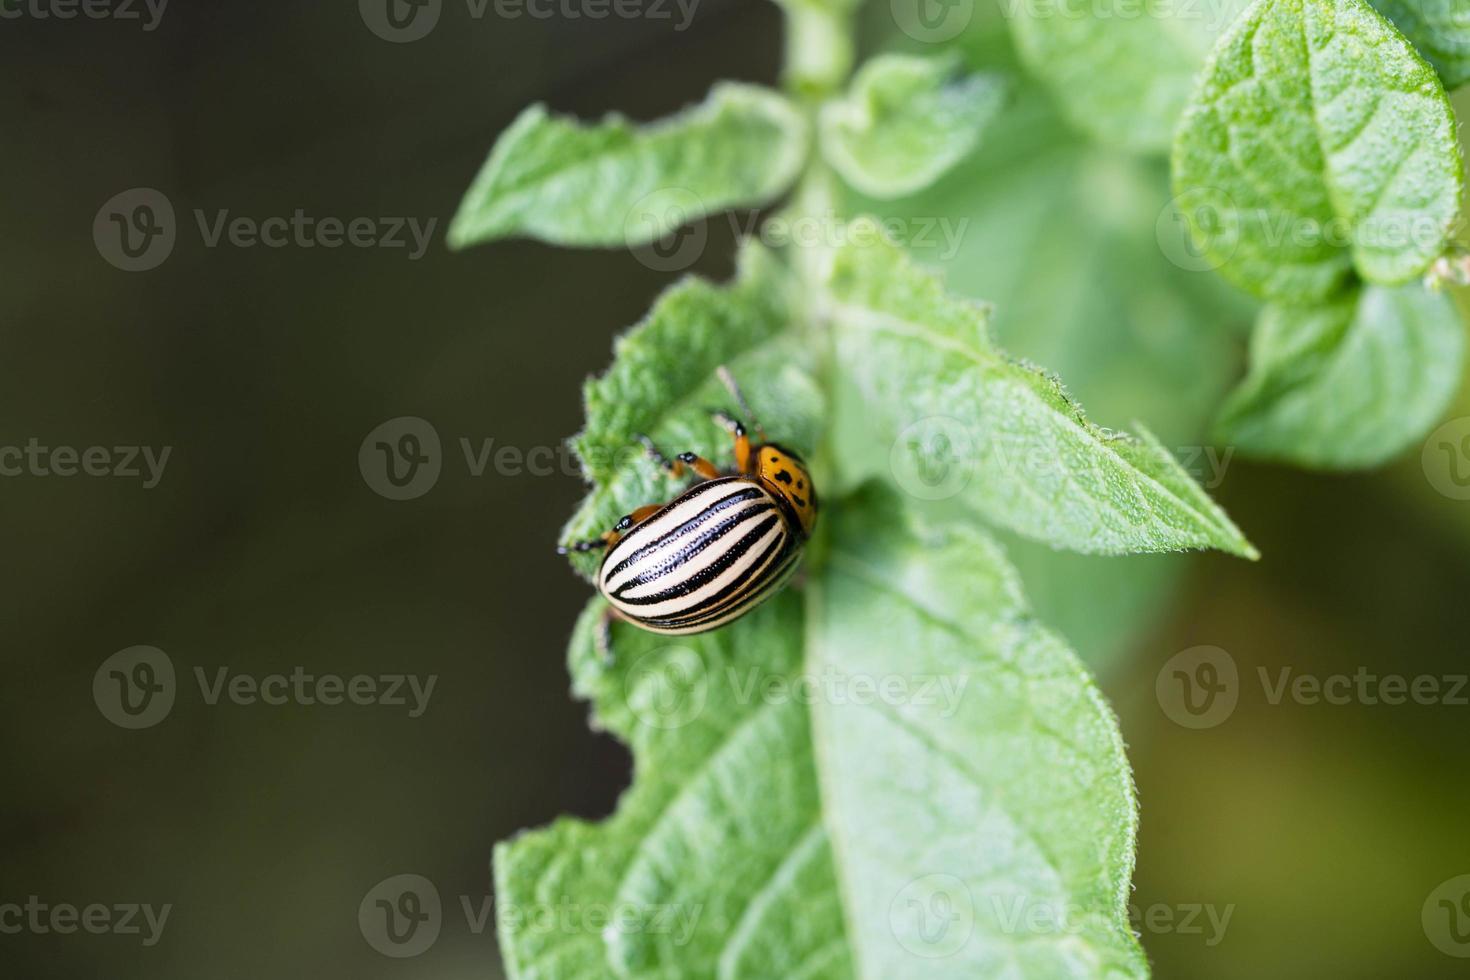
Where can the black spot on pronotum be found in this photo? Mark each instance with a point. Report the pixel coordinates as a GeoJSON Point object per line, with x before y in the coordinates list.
{"type": "Point", "coordinates": [801, 484]}
{"type": "Point", "coordinates": [783, 477]}
{"type": "Point", "coordinates": [800, 502]}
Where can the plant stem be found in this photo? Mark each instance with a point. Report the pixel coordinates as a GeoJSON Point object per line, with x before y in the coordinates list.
{"type": "Point", "coordinates": [819, 49]}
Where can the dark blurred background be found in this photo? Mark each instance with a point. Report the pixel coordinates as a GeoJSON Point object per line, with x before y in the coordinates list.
{"type": "Point", "coordinates": [262, 549]}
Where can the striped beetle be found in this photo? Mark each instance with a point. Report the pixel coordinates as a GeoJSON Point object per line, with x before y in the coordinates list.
{"type": "Point", "coordinates": [717, 550]}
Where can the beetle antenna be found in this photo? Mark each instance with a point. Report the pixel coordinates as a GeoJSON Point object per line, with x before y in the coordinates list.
{"type": "Point", "coordinates": [729, 382]}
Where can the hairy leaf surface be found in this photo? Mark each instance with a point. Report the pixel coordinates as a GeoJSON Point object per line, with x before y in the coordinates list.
{"type": "Point", "coordinates": [906, 121]}
{"type": "Point", "coordinates": [1122, 71]}
{"type": "Point", "coordinates": [976, 818]}
{"type": "Point", "coordinates": [1440, 29]}
{"type": "Point", "coordinates": [931, 383]}
{"type": "Point", "coordinates": [613, 183]}
{"type": "Point", "coordinates": [1319, 143]}
{"type": "Point", "coordinates": [1348, 383]}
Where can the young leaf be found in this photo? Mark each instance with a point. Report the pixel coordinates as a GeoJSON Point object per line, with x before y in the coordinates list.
{"type": "Point", "coordinates": [1062, 235]}
{"type": "Point", "coordinates": [905, 122]}
{"type": "Point", "coordinates": [1440, 29]}
{"type": "Point", "coordinates": [1348, 383]}
{"type": "Point", "coordinates": [1318, 143]}
{"type": "Point", "coordinates": [930, 383]}
{"type": "Point", "coordinates": [903, 775]}
{"type": "Point", "coordinates": [1123, 76]}
{"type": "Point", "coordinates": [662, 384]}
{"type": "Point", "coordinates": [611, 183]}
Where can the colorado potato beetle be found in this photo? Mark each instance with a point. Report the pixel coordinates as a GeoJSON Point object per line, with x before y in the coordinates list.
{"type": "Point", "coordinates": [717, 550]}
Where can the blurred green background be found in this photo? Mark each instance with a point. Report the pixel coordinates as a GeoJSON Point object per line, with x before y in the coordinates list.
{"type": "Point", "coordinates": [1322, 828]}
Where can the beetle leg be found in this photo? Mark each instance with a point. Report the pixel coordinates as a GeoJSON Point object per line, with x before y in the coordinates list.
{"type": "Point", "coordinates": [728, 380]}
{"type": "Point", "coordinates": [679, 467]}
{"type": "Point", "coordinates": [603, 638]}
{"type": "Point", "coordinates": [610, 538]}
{"type": "Point", "coordinates": [742, 441]}
{"type": "Point", "coordinates": [670, 466]}
{"type": "Point", "coordinates": [590, 544]}
{"type": "Point", "coordinates": [701, 466]}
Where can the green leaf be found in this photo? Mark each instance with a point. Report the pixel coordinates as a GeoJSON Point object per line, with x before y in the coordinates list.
{"type": "Point", "coordinates": [905, 122]}
{"type": "Point", "coordinates": [1122, 72]}
{"type": "Point", "coordinates": [900, 774]}
{"type": "Point", "coordinates": [930, 383]}
{"type": "Point", "coordinates": [612, 183]}
{"type": "Point", "coordinates": [1349, 383]}
{"type": "Point", "coordinates": [1064, 237]}
{"type": "Point", "coordinates": [1440, 29]}
{"type": "Point", "coordinates": [662, 384]}
{"type": "Point", "coordinates": [1318, 144]}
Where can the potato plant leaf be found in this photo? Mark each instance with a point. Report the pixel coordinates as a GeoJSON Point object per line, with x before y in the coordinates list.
{"type": "Point", "coordinates": [930, 382]}
{"type": "Point", "coordinates": [895, 773]}
{"type": "Point", "coordinates": [905, 122]}
{"type": "Point", "coordinates": [1440, 29]}
{"type": "Point", "coordinates": [1318, 144]}
{"type": "Point", "coordinates": [1122, 72]}
{"type": "Point", "coordinates": [1350, 382]}
{"type": "Point", "coordinates": [1062, 235]}
{"type": "Point", "coordinates": [612, 183]}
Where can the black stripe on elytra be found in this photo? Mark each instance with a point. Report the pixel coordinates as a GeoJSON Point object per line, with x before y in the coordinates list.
{"type": "Point", "coordinates": [734, 594]}
{"type": "Point", "coordinates": [699, 519]}
{"type": "Point", "coordinates": [675, 559]}
{"type": "Point", "coordinates": [684, 586]}
{"type": "Point", "coordinates": [773, 581]}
